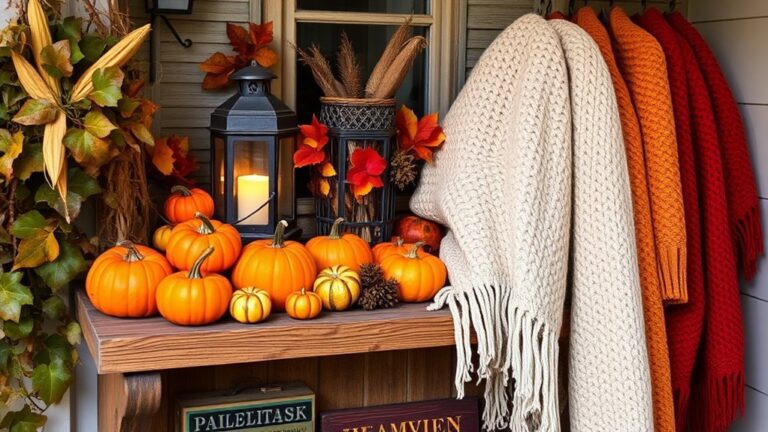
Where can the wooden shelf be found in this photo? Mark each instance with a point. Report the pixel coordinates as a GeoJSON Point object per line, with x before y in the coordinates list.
{"type": "Point", "coordinates": [150, 344]}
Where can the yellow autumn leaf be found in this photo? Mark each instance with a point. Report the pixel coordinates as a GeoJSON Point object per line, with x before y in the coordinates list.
{"type": "Point", "coordinates": [118, 55]}
{"type": "Point", "coordinates": [324, 187]}
{"type": "Point", "coordinates": [40, 38]}
{"type": "Point", "coordinates": [31, 81]}
{"type": "Point", "coordinates": [162, 156]}
{"type": "Point", "coordinates": [327, 170]}
{"type": "Point", "coordinates": [54, 154]}
{"type": "Point", "coordinates": [14, 147]}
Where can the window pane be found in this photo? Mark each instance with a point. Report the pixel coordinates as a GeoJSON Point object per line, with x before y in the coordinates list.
{"type": "Point", "coordinates": [377, 6]}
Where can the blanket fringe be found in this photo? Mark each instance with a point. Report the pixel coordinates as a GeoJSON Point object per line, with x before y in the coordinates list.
{"type": "Point", "coordinates": [722, 401]}
{"type": "Point", "coordinates": [531, 353]}
{"type": "Point", "coordinates": [749, 241]}
{"type": "Point", "coordinates": [682, 397]}
{"type": "Point", "coordinates": [672, 264]}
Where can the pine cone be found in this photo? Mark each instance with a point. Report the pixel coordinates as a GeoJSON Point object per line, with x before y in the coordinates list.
{"type": "Point", "coordinates": [378, 293]}
{"type": "Point", "coordinates": [404, 169]}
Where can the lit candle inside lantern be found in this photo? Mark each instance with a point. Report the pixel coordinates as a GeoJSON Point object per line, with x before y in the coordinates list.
{"type": "Point", "coordinates": [252, 192]}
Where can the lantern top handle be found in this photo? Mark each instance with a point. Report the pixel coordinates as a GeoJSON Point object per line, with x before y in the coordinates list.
{"type": "Point", "coordinates": [254, 72]}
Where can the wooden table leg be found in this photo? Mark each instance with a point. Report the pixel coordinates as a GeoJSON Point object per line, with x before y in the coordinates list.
{"type": "Point", "coordinates": [127, 400]}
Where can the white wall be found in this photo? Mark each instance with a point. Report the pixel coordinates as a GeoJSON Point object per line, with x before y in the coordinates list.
{"type": "Point", "coordinates": [737, 31]}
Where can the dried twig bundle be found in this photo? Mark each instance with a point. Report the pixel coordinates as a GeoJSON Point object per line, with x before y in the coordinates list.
{"type": "Point", "coordinates": [399, 68]}
{"type": "Point", "coordinates": [321, 71]}
{"type": "Point", "coordinates": [349, 68]}
{"type": "Point", "coordinates": [391, 51]}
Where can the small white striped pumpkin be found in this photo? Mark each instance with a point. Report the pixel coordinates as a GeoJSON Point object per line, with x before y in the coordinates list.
{"type": "Point", "coordinates": [250, 305]}
{"type": "Point", "coordinates": [338, 286]}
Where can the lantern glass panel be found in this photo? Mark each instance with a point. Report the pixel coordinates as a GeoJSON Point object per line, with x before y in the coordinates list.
{"type": "Point", "coordinates": [251, 178]}
{"type": "Point", "coordinates": [285, 178]}
{"type": "Point", "coordinates": [173, 5]}
{"type": "Point", "coordinates": [219, 179]}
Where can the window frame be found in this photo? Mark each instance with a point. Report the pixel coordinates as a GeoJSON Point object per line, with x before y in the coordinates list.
{"type": "Point", "coordinates": [443, 22]}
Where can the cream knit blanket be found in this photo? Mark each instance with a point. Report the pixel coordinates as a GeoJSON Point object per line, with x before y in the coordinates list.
{"type": "Point", "coordinates": [532, 182]}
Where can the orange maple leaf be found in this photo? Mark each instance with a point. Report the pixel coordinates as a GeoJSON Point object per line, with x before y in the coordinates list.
{"type": "Point", "coordinates": [421, 137]}
{"type": "Point", "coordinates": [162, 156]}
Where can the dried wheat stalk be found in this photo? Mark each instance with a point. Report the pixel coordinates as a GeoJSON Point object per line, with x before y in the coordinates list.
{"type": "Point", "coordinates": [321, 71]}
{"type": "Point", "coordinates": [391, 51]}
{"type": "Point", "coordinates": [349, 68]}
{"type": "Point", "coordinates": [397, 71]}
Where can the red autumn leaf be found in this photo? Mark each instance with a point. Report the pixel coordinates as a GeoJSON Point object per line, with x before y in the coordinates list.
{"type": "Point", "coordinates": [307, 155]}
{"type": "Point", "coordinates": [238, 38]}
{"type": "Point", "coordinates": [421, 137]}
{"type": "Point", "coordinates": [184, 163]}
{"type": "Point", "coordinates": [315, 134]}
{"type": "Point", "coordinates": [260, 35]}
{"type": "Point", "coordinates": [365, 171]}
{"type": "Point", "coordinates": [265, 57]}
{"type": "Point", "coordinates": [133, 88]}
{"type": "Point", "coordinates": [218, 63]}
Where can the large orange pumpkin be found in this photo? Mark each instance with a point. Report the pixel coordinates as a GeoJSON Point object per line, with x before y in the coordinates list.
{"type": "Point", "coordinates": [160, 237]}
{"type": "Point", "coordinates": [122, 281]}
{"type": "Point", "coordinates": [189, 239]}
{"type": "Point", "coordinates": [183, 203]}
{"type": "Point", "coordinates": [396, 246]}
{"type": "Point", "coordinates": [303, 305]}
{"type": "Point", "coordinates": [420, 276]}
{"type": "Point", "coordinates": [415, 229]}
{"type": "Point", "coordinates": [189, 298]}
{"type": "Point", "coordinates": [337, 249]}
{"type": "Point", "coordinates": [278, 266]}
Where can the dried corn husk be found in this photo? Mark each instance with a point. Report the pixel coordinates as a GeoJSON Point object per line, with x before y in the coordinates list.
{"type": "Point", "coordinates": [391, 51]}
{"type": "Point", "coordinates": [54, 155]}
{"type": "Point", "coordinates": [118, 55]}
{"type": "Point", "coordinates": [31, 81]}
{"type": "Point", "coordinates": [397, 71]}
{"type": "Point", "coordinates": [41, 38]}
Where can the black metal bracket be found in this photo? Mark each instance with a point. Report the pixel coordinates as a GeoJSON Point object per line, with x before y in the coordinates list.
{"type": "Point", "coordinates": [186, 43]}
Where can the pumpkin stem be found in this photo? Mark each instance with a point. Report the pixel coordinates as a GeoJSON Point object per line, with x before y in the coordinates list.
{"type": "Point", "coordinates": [206, 227]}
{"type": "Point", "coordinates": [183, 190]}
{"type": "Point", "coordinates": [399, 241]}
{"type": "Point", "coordinates": [413, 253]}
{"type": "Point", "coordinates": [334, 234]}
{"type": "Point", "coordinates": [303, 291]}
{"type": "Point", "coordinates": [277, 238]}
{"type": "Point", "coordinates": [133, 254]}
{"type": "Point", "coordinates": [194, 272]}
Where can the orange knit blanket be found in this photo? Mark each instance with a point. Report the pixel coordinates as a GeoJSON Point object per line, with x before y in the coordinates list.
{"type": "Point", "coordinates": [653, 310]}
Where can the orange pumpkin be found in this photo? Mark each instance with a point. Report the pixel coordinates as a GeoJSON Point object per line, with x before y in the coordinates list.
{"type": "Point", "coordinates": [182, 204]}
{"type": "Point", "coordinates": [278, 266]}
{"type": "Point", "coordinates": [122, 281]}
{"type": "Point", "coordinates": [415, 229]}
{"type": "Point", "coordinates": [160, 237]}
{"type": "Point", "coordinates": [337, 249]}
{"type": "Point", "coordinates": [396, 246]}
{"type": "Point", "coordinates": [303, 305]}
{"type": "Point", "coordinates": [189, 239]}
{"type": "Point", "coordinates": [420, 277]}
{"type": "Point", "coordinates": [189, 298]}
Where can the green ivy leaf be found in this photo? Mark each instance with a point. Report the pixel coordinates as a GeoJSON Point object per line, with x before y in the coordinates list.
{"type": "Point", "coordinates": [29, 161]}
{"type": "Point", "coordinates": [5, 356]}
{"type": "Point", "coordinates": [23, 420]}
{"type": "Point", "coordinates": [54, 347]}
{"type": "Point", "coordinates": [50, 381]}
{"type": "Point", "coordinates": [55, 59]}
{"type": "Point", "coordinates": [128, 106]}
{"type": "Point", "coordinates": [72, 332]}
{"type": "Point", "coordinates": [59, 272]}
{"type": "Point", "coordinates": [80, 186]}
{"type": "Point", "coordinates": [37, 250]}
{"type": "Point", "coordinates": [54, 307]}
{"type": "Point", "coordinates": [6, 139]}
{"type": "Point", "coordinates": [36, 112]}
{"type": "Point", "coordinates": [19, 330]}
{"type": "Point", "coordinates": [70, 28]}
{"type": "Point", "coordinates": [13, 295]}
{"type": "Point", "coordinates": [106, 86]}
{"type": "Point", "coordinates": [92, 47]}
{"type": "Point", "coordinates": [98, 124]}
{"type": "Point", "coordinates": [88, 149]}
{"type": "Point", "coordinates": [28, 224]}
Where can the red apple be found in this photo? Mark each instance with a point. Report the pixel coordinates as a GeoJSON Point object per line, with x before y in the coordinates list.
{"type": "Point", "coordinates": [415, 229]}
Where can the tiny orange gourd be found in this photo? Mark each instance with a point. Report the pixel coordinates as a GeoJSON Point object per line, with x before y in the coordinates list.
{"type": "Point", "coordinates": [396, 246]}
{"type": "Point", "coordinates": [183, 203]}
{"type": "Point", "coordinates": [303, 305]}
{"type": "Point", "coordinates": [250, 305]}
{"type": "Point", "coordinates": [278, 266]}
{"type": "Point", "coordinates": [189, 298]}
{"type": "Point", "coordinates": [189, 239]}
{"type": "Point", "coordinates": [420, 277]}
{"type": "Point", "coordinates": [122, 280]}
{"type": "Point", "coordinates": [338, 287]}
{"type": "Point", "coordinates": [340, 249]}
{"type": "Point", "coordinates": [160, 237]}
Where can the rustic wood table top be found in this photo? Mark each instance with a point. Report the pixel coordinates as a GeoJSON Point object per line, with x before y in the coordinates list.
{"type": "Point", "coordinates": [140, 345]}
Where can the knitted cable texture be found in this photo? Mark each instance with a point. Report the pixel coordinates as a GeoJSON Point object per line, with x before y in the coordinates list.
{"type": "Point", "coordinates": [719, 396]}
{"type": "Point", "coordinates": [684, 322]}
{"type": "Point", "coordinates": [743, 203]}
{"type": "Point", "coordinates": [642, 64]}
{"type": "Point", "coordinates": [504, 184]}
{"type": "Point", "coordinates": [649, 279]}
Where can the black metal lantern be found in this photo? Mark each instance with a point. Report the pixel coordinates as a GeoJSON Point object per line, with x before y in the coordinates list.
{"type": "Point", "coordinates": [253, 136]}
{"type": "Point", "coordinates": [169, 6]}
